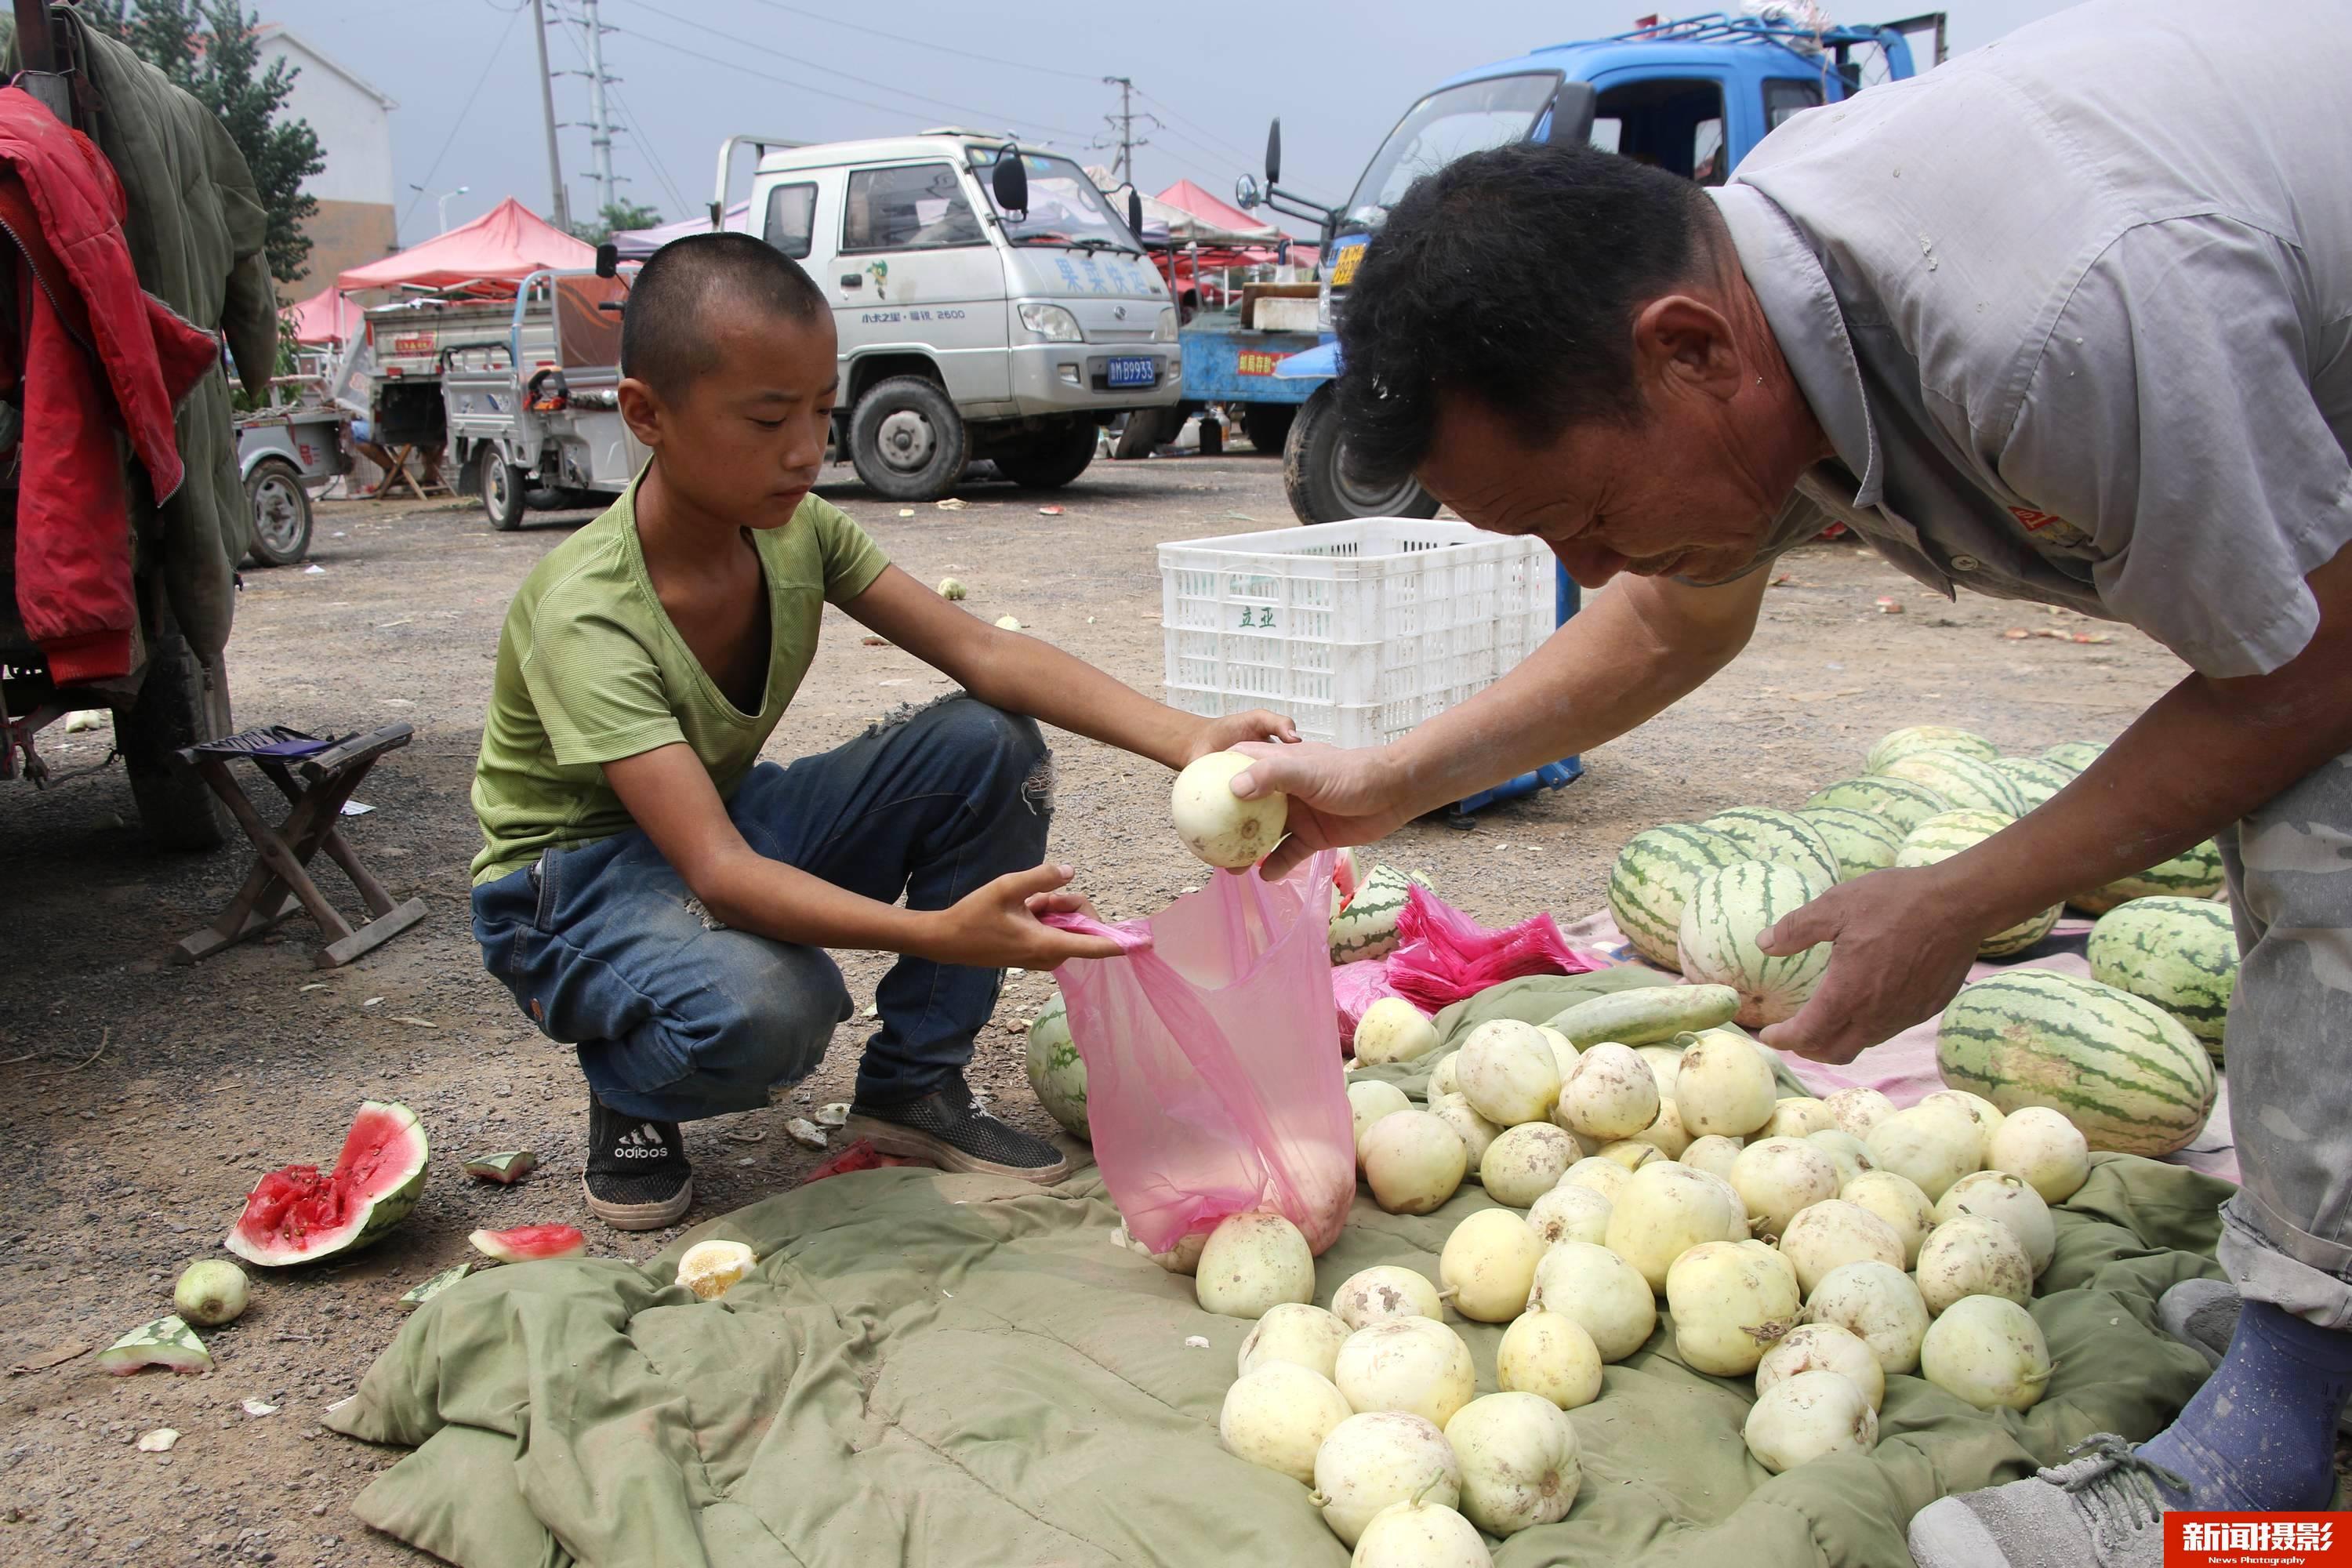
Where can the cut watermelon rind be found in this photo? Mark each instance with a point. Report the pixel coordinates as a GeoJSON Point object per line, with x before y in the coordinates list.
{"type": "Point", "coordinates": [383, 1159]}
{"type": "Point", "coordinates": [529, 1243]}
{"type": "Point", "coordinates": [165, 1342]}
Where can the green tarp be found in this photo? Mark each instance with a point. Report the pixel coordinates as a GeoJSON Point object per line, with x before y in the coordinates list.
{"type": "Point", "coordinates": [958, 1370]}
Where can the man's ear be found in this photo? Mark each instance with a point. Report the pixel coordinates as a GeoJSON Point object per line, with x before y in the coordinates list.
{"type": "Point", "coordinates": [642, 408]}
{"type": "Point", "coordinates": [1682, 342]}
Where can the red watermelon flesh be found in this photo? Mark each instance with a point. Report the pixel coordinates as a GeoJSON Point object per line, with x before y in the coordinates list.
{"type": "Point", "coordinates": [299, 1214]}
{"type": "Point", "coordinates": [529, 1243]}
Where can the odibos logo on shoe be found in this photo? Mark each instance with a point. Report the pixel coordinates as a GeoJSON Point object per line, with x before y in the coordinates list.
{"type": "Point", "coordinates": [640, 1142]}
{"type": "Point", "coordinates": [2257, 1541]}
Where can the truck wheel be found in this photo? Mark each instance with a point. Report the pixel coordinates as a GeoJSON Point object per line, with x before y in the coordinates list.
{"type": "Point", "coordinates": [1146, 428]}
{"type": "Point", "coordinates": [503, 491]}
{"type": "Point", "coordinates": [1050, 460]}
{"type": "Point", "coordinates": [281, 513]}
{"type": "Point", "coordinates": [908, 441]}
{"type": "Point", "coordinates": [179, 703]}
{"type": "Point", "coordinates": [1267, 425]}
{"type": "Point", "coordinates": [1316, 480]}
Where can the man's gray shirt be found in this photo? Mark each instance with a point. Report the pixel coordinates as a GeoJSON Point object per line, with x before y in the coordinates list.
{"type": "Point", "coordinates": [2075, 312]}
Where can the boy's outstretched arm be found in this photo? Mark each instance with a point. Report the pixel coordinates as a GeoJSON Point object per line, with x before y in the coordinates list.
{"type": "Point", "coordinates": [1028, 675]}
{"type": "Point", "coordinates": [994, 926]}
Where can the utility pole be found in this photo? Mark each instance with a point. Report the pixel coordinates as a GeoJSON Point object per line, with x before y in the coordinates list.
{"type": "Point", "coordinates": [1125, 120]}
{"type": "Point", "coordinates": [600, 128]}
{"type": "Point", "coordinates": [547, 111]}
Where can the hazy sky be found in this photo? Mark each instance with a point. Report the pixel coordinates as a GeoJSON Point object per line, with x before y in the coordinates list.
{"type": "Point", "coordinates": [693, 71]}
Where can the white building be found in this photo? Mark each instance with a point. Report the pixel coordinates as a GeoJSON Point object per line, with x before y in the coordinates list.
{"type": "Point", "coordinates": [357, 215]}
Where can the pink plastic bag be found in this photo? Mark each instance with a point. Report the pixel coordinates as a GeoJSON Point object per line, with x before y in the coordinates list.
{"type": "Point", "coordinates": [1354, 988]}
{"type": "Point", "coordinates": [1447, 956]}
{"type": "Point", "coordinates": [1213, 1083]}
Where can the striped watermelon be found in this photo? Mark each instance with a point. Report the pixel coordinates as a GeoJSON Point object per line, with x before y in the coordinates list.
{"type": "Point", "coordinates": [1913, 738]}
{"type": "Point", "coordinates": [2179, 954]}
{"type": "Point", "coordinates": [1782, 838]}
{"type": "Point", "coordinates": [1366, 926]}
{"type": "Point", "coordinates": [1652, 879]}
{"type": "Point", "coordinates": [1057, 1074]}
{"type": "Point", "coordinates": [1861, 842]}
{"type": "Point", "coordinates": [2123, 1070]}
{"type": "Point", "coordinates": [2191, 874]}
{"type": "Point", "coordinates": [1941, 838]}
{"type": "Point", "coordinates": [2072, 756]}
{"type": "Point", "coordinates": [2036, 780]}
{"type": "Point", "coordinates": [1728, 910]}
{"type": "Point", "coordinates": [1901, 802]}
{"type": "Point", "coordinates": [1970, 784]}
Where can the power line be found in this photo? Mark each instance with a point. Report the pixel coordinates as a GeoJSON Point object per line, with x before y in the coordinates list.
{"type": "Point", "coordinates": [1247, 160]}
{"type": "Point", "coordinates": [984, 114]}
{"type": "Point", "coordinates": [646, 149]}
{"type": "Point", "coordinates": [927, 44]}
{"type": "Point", "coordinates": [458, 123]}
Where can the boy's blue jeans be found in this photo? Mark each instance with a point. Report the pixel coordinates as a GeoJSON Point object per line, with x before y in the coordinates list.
{"type": "Point", "coordinates": [675, 1017]}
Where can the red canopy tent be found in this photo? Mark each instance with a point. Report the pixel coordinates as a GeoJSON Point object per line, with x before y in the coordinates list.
{"type": "Point", "coordinates": [325, 317]}
{"type": "Point", "coordinates": [507, 243]}
{"type": "Point", "coordinates": [1221, 224]}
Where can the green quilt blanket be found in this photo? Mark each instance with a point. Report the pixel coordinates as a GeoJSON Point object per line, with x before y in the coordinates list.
{"type": "Point", "coordinates": [958, 1370]}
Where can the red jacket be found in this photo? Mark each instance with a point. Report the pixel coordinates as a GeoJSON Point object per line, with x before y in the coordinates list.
{"type": "Point", "coordinates": [94, 360]}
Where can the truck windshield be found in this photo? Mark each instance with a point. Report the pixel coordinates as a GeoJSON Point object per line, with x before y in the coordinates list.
{"type": "Point", "coordinates": [1064, 207]}
{"type": "Point", "coordinates": [1446, 125]}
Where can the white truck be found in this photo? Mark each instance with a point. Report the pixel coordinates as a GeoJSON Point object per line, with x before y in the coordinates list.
{"type": "Point", "coordinates": [990, 302]}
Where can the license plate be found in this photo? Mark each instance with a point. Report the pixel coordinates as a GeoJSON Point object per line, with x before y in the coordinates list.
{"type": "Point", "coordinates": [1345, 262]}
{"type": "Point", "coordinates": [411, 345]}
{"type": "Point", "coordinates": [1132, 372]}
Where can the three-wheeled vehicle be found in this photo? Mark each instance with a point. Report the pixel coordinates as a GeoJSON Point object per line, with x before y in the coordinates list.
{"type": "Point", "coordinates": [284, 452]}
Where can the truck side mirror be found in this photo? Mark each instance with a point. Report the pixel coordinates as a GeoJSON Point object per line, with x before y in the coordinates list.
{"type": "Point", "coordinates": [1009, 181]}
{"type": "Point", "coordinates": [1274, 153]}
{"type": "Point", "coordinates": [1246, 196]}
{"type": "Point", "coordinates": [608, 260]}
{"type": "Point", "coordinates": [1135, 214]}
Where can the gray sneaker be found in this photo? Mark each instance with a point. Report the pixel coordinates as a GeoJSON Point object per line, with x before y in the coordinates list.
{"type": "Point", "coordinates": [2203, 1315]}
{"type": "Point", "coordinates": [2104, 1509]}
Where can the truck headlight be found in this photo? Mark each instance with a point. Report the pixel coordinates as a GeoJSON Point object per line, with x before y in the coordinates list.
{"type": "Point", "coordinates": [1165, 332]}
{"type": "Point", "coordinates": [1053, 323]}
{"type": "Point", "coordinates": [1323, 309]}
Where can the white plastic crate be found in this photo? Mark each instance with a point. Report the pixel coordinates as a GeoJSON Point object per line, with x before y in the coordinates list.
{"type": "Point", "coordinates": [1358, 630]}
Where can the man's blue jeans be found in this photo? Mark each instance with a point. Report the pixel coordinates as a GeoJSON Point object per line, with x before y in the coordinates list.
{"type": "Point", "coordinates": [677, 1017]}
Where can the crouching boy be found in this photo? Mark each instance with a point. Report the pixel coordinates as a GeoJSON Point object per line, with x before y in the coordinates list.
{"type": "Point", "coordinates": [658, 898]}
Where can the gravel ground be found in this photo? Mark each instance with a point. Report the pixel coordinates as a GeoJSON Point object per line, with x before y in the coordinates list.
{"type": "Point", "coordinates": [139, 1100]}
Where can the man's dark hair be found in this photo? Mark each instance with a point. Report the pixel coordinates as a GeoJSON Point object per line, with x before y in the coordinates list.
{"type": "Point", "coordinates": [666, 340]}
{"type": "Point", "coordinates": [1511, 275]}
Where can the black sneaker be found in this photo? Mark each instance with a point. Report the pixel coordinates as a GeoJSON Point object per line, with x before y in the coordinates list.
{"type": "Point", "coordinates": [949, 1128]}
{"type": "Point", "coordinates": [637, 1177]}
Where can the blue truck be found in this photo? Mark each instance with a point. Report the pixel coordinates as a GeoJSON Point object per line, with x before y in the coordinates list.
{"type": "Point", "coordinates": [1691, 96]}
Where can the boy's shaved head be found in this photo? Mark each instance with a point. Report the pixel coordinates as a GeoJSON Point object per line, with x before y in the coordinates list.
{"type": "Point", "coordinates": [667, 340]}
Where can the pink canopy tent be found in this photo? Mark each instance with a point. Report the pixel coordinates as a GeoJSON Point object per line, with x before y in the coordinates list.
{"type": "Point", "coordinates": [325, 317]}
{"type": "Point", "coordinates": [507, 243]}
{"type": "Point", "coordinates": [1219, 224]}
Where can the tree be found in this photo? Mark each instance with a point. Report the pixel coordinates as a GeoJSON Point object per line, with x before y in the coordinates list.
{"type": "Point", "coordinates": [211, 48]}
{"type": "Point", "coordinates": [616, 216]}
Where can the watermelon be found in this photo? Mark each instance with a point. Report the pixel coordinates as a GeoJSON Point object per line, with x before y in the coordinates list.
{"type": "Point", "coordinates": [298, 1216]}
{"type": "Point", "coordinates": [1970, 784]}
{"type": "Point", "coordinates": [1913, 738]}
{"type": "Point", "coordinates": [1861, 843]}
{"type": "Point", "coordinates": [2179, 954]}
{"type": "Point", "coordinates": [2191, 874]}
{"type": "Point", "coordinates": [1652, 879]}
{"type": "Point", "coordinates": [1728, 909]}
{"type": "Point", "coordinates": [2035, 780]}
{"type": "Point", "coordinates": [1781, 836]}
{"type": "Point", "coordinates": [166, 1342]}
{"type": "Point", "coordinates": [1056, 1072]}
{"type": "Point", "coordinates": [1366, 925]}
{"type": "Point", "coordinates": [505, 1169]}
{"type": "Point", "coordinates": [1941, 838]}
{"type": "Point", "coordinates": [2126, 1072]}
{"type": "Point", "coordinates": [2072, 756]}
{"type": "Point", "coordinates": [529, 1243]}
{"type": "Point", "coordinates": [1901, 802]}
{"type": "Point", "coordinates": [424, 1291]}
